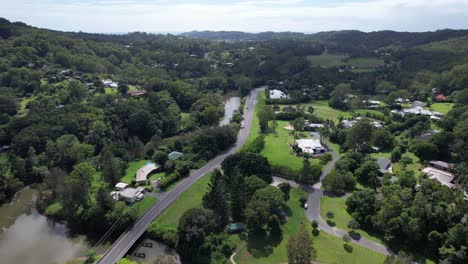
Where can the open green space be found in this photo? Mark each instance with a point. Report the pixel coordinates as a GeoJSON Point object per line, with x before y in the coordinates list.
{"type": "Point", "coordinates": [329, 249]}
{"type": "Point", "coordinates": [415, 166]}
{"type": "Point", "coordinates": [365, 62]}
{"type": "Point", "coordinates": [326, 59]}
{"type": "Point", "coordinates": [109, 90]}
{"type": "Point", "coordinates": [142, 206]}
{"type": "Point", "coordinates": [130, 172]}
{"type": "Point", "coordinates": [444, 108]}
{"type": "Point", "coordinates": [337, 205]}
{"type": "Point", "coordinates": [191, 198]}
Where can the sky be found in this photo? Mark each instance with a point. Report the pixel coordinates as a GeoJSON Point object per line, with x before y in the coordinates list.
{"type": "Point", "coordinates": [175, 16]}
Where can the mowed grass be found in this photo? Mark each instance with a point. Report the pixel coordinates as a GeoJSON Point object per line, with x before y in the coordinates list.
{"type": "Point", "coordinates": [191, 198]}
{"type": "Point", "coordinates": [397, 167]}
{"type": "Point", "coordinates": [327, 60]}
{"type": "Point", "coordinates": [442, 107]}
{"type": "Point", "coordinates": [329, 249]}
{"type": "Point", "coordinates": [130, 172]}
{"type": "Point", "coordinates": [337, 205]}
{"type": "Point", "coordinates": [323, 110]}
{"type": "Point", "coordinates": [365, 62]}
{"type": "Point", "coordinates": [142, 206]}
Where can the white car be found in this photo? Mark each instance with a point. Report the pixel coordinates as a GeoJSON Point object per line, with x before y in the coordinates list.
{"type": "Point", "coordinates": [140, 197]}
{"type": "Point", "coordinates": [306, 206]}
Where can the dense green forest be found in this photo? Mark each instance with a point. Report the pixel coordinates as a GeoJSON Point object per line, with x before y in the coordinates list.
{"type": "Point", "coordinates": [72, 135]}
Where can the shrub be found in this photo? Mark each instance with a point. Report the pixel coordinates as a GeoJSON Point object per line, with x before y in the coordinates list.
{"type": "Point", "coordinates": [314, 224]}
{"type": "Point", "coordinates": [330, 215]}
{"type": "Point", "coordinates": [348, 248]}
{"type": "Point", "coordinates": [354, 235]}
{"type": "Point", "coordinates": [303, 200]}
{"type": "Point", "coordinates": [330, 222]}
{"type": "Point", "coordinates": [163, 233]}
{"type": "Point", "coordinates": [353, 224]}
{"type": "Point", "coordinates": [324, 159]}
{"type": "Point", "coordinates": [168, 180]}
{"type": "Point", "coordinates": [315, 232]}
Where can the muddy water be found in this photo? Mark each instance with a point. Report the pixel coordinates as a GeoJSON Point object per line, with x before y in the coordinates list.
{"type": "Point", "coordinates": [28, 237]}
{"type": "Point", "coordinates": [232, 104]}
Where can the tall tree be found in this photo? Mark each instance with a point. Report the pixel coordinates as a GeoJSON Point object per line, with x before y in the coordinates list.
{"type": "Point", "coordinates": [300, 248]}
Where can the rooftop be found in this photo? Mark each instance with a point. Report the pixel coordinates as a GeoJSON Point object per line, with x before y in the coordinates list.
{"type": "Point", "coordinates": [143, 172]}
{"type": "Point", "coordinates": [308, 145]}
{"type": "Point", "coordinates": [384, 164]}
{"type": "Point", "coordinates": [445, 178]}
{"type": "Point", "coordinates": [277, 94]}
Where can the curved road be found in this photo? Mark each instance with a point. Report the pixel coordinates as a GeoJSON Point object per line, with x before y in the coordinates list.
{"type": "Point", "coordinates": [127, 239]}
{"type": "Point", "coordinates": [313, 210]}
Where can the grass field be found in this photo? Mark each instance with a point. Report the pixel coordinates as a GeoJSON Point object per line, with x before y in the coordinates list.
{"type": "Point", "coordinates": [130, 172]}
{"type": "Point", "coordinates": [327, 60]}
{"type": "Point", "coordinates": [337, 205]}
{"type": "Point", "coordinates": [329, 249]}
{"type": "Point", "coordinates": [143, 205]}
{"type": "Point", "coordinates": [191, 198]}
{"type": "Point", "coordinates": [109, 90]}
{"type": "Point", "coordinates": [365, 62]}
{"type": "Point", "coordinates": [415, 166]}
{"type": "Point", "coordinates": [442, 107]}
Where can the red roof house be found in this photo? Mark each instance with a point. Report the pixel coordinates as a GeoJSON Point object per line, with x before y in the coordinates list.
{"type": "Point", "coordinates": [441, 97]}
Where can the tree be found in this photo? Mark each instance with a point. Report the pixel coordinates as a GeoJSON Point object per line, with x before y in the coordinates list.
{"type": "Point", "coordinates": [300, 248]}
{"type": "Point", "coordinates": [160, 157]}
{"type": "Point", "coordinates": [396, 154]}
{"type": "Point", "coordinates": [216, 198]}
{"type": "Point", "coordinates": [339, 182]}
{"type": "Point", "coordinates": [309, 173]}
{"type": "Point", "coordinates": [298, 124]}
{"type": "Point", "coordinates": [359, 136]}
{"type": "Point", "coordinates": [362, 206]}
{"type": "Point", "coordinates": [367, 173]}
{"type": "Point", "coordinates": [252, 184]}
{"type": "Point", "coordinates": [265, 114]}
{"type": "Point", "coordinates": [383, 139]}
{"type": "Point", "coordinates": [285, 188]}
{"type": "Point", "coordinates": [340, 96]}
{"type": "Point", "coordinates": [257, 214]}
{"type": "Point", "coordinates": [247, 164]}
{"type": "Point", "coordinates": [8, 105]}
{"type": "Point", "coordinates": [271, 195]}
{"type": "Point", "coordinates": [423, 149]}
{"type": "Point", "coordinates": [122, 215]}
{"type": "Point", "coordinates": [78, 186]}
{"type": "Point", "coordinates": [112, 167]}
{"type": "Point", "coordinates": [194, 226]}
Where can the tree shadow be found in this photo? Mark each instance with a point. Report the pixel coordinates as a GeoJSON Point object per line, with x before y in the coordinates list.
{"type": "Point", "coordinates": [261, 245]}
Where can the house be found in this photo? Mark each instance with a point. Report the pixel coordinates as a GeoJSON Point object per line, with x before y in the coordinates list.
{"type": "Point", "coordinates": [397, 112]}
{"type": "Point", "coordinates": [174, 155]}
{"type": "Point", "coordinates": [385, 165]}
{"type": "Point", "coordinates": [441, 165]}
{"type": "Point", "coordinates": [400, 100]}
{"type": "Point", "coordinates": [120, 186]}
{"type": "Point", "coordinates": [310, 146]}
{"type": "Point", "coordinates": [5, 147]}
{"type": "Point", "coordinates": [312, 126]}
{"type": "Point", "coordinates": [348, 123]}
{"type": "Point", "coordinates": [130, 194]}
{"type": "Point", "coordinates": [277, 94]}
{"type": "Point", "coordinates": [235, 228]}
{"type": "Point", "coordinates": [143, 173]}
{"type": "Point", "coordinates": [444, 177]}
{"type": "Point", "coordinates": [441, 98]}
{"type": "Point", "coordinates": [419, 110]}
{"type": "Point", "coordinates": [110, 83]}
{"type": "Point", "coordinates": [377, 124]}
{"type": "Point", "coordinates": [136, 93]}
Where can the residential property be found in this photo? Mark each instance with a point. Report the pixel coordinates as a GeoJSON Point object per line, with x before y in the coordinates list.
{"type": "Point", "coordinates": [143, 173]}
{"type": "Point", "coordinates": [444, 177]}
{"type": "Point", "coordinates": [110, 83]}
{"type": "Point", "coordinates": [441, 165]}
{"type": "Point", "coordinates": [400, 100]}
{"type": "Point", "coordinates": [5, 147]}
{"type": "Point", "coordinates": [441, 98]}
{"type": "Point", "coordinates": [312, 126]}
{"type": "Point", "coordinates": [277, 94]}
{"type": "Point", "coordinates": [348, 123]}
{"type": "Point", "coordinates": [310, 146]}
{"type": "Point", "coordinates": [385, 165]}
{"type": "Point", "coordinates": [120, 186]}
{"type": "Point", "coordinates": [174, 155]}
{"type": "Point", "coordinates": [136, 93]}
{"type": "Point", "coordinates": [235, 228]}
{"type": "Point", "coordinates": [427, 134]}
{"type": "Point", "coordinates": [419, 110]}
{"type": "Point", "coordinates": [130, 194]}
{"type": "Point", "coordinates": [377, 124]}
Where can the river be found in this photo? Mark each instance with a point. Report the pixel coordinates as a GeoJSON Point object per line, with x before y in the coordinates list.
{"type": "Point", "coordinates": [230, 106]}
{"type": "Point", "coordinates": [28, 237]}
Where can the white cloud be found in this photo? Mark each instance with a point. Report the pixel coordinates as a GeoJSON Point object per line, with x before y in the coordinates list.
{"type": "Point", "coordinates": [246, 15]}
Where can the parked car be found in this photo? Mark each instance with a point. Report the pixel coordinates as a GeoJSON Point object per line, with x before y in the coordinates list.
{"type": "Point", "coordinates": [140, 197]}
{"type": "Point", "coordinates": [305, 206]}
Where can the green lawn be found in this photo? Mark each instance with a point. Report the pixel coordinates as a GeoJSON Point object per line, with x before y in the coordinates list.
{"type": "Point", "coordinates": [184, 119]}
{"type": "Point", "coordinates": [323, 110]}
{"type": "Point", "coordinates": [442, 107]}
{"type": "Point", "coordinates": [109, 90]}
{"type": "Point", "coordinates": [365, 62]}
{"type": "Point", "coordinates": [327, 60]}
{"type": "Point", "coordinates": [329, 249]}
{"type": "Point", "coordinates": [337, 205]}
{"type": "Point", "coordinates": [415, 166]}
{"type": "Point", "coordinates": [143, 205]}
{"type": "Point", "coordinates": [130, 172]}
{"type": "Point", "coordinates": [191, 198]}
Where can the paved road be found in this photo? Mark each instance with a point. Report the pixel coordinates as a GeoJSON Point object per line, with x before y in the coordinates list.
{"type": "Point", "coordinates": [313, 210]}
{"type": "Point", "coordinates": [127, 239]}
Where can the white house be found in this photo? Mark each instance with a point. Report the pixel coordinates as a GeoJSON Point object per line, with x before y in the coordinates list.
{"type": "Point", "coordinates": [130, 194]}
{"type": "Point", "coordinates": [277, 94]}
{"type": "Point", "coordinates": [419, 110]}
{"type": "Point", "coordinates": [110, 83]}
{"type": "Point", "coordinates": [120, 186]}
{"type": "Point", "coordinates": [310, 146]}
{"type": "Point", "coordinates": [143, 172]}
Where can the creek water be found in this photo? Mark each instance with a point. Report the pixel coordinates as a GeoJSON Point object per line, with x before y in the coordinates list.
{"type": "Point", "coordinates": [230, 105]}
